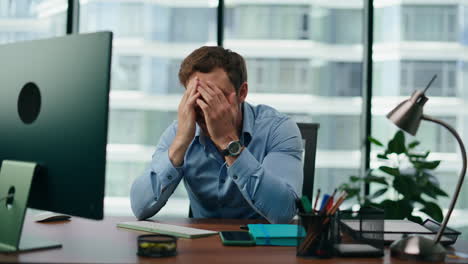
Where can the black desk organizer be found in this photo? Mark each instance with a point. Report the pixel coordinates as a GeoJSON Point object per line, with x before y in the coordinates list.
{"type": "Point", "coordinates": [450, 235]}
{"type": "Point", "coordinates": [371, 231]}
{"type": "Point", "coordinates": [320, 236]}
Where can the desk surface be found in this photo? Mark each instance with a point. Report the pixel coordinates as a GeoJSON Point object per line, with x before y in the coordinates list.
{"type": "Point", "coordinates": [88, 241]}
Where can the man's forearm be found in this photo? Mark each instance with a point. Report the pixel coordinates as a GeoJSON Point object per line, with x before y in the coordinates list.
{"type": "Point", "coordinates": [145, 202]}
{"type": "Point", "coordinates": [177, 151]}
{"type": "Point", "coordinates": [269, 191]}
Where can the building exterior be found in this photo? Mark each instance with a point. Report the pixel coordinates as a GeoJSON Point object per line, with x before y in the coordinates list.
{"type": "Point", "coordinates": [304, 57]}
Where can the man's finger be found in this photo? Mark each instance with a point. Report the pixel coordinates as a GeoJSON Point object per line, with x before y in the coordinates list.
{"type": "Point", "coordinates": [204, 93]}
{"type": "Point", "coordinates": [232, 98]}
{"type": "Point", "coordinates": [191, 100]}
{"type": "Point", "coordinates": [204, 107]}
{"type": "Point", "coordinates": [190, 88]}
{"type": "Point", "coordinates": [192, 84]}
{"type": "Point", "coordinates": [215, 89]}
{"type": "Point", "coordinates": [222, 97]}
{"type": "Point", "coordinates": [208, 88]}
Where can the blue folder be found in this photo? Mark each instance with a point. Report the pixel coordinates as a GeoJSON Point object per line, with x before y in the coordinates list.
{"type": "Point", "coordinates": [275, 235]}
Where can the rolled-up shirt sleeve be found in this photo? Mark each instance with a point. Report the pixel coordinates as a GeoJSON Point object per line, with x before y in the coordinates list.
{"type": "Point", "coordinates": [150, 192]}
{"type": "Point", "coordinates": [271, 186]}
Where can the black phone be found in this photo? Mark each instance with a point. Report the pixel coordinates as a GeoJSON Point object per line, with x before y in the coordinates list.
{"type": "Point", "coordinates": [236, 238]}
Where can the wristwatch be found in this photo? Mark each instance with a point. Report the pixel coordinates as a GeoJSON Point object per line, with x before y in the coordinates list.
{"type": "Point", "coordinates": [233, 149]}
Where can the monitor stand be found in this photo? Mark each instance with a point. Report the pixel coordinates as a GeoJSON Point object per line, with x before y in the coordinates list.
{"type": "Point", "coordinates": [15, 183]}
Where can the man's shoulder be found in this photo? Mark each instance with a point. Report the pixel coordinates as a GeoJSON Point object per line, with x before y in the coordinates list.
{"type": "Point", "coordinates": [262, 111]}
{"type": "Point", "coordinates": [267, 118]}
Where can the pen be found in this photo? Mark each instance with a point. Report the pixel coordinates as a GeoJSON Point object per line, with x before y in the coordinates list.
{"type": "Point", "coordinates": [330, 201]}
{"type": "Point", "coordinates": [324, 203]}
{"type": "Point", "coordinates": [299, 206]}
{"type": "Point", "coordinates": [316, 200]}
{"type": "Point", "coordinates": [306, 204]}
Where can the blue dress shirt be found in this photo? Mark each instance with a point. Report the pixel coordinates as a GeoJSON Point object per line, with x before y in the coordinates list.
{"type": "Point", "coordinates": [263, 182]}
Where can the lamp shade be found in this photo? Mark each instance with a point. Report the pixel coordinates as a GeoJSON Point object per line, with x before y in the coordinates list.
{"type": "Point", "coordinates": [408, 114]}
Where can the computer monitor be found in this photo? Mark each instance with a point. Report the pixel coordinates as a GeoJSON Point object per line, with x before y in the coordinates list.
{"type": "Point", "coordinates": [54, 98]}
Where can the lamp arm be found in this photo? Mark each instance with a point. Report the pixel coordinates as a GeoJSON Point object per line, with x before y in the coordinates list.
{"type": "Point", "coordinates": [460, 179]}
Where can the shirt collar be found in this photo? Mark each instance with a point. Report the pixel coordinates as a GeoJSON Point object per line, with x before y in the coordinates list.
{"type": "Point", "coordinates": [248, 120]}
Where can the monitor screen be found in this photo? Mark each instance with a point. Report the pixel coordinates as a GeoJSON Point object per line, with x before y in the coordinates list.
{"type": "Point", "coordinates": [54, 98]}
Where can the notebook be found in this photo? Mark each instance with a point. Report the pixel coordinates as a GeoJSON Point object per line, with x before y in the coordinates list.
{"type": "Point", "coordinates": [275, 235]}
{"type": "Point", "coordinates": [173, 230]}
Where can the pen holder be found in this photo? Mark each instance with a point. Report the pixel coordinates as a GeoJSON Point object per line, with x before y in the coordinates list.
{"type": "Point", "coordinates": [318, 235]}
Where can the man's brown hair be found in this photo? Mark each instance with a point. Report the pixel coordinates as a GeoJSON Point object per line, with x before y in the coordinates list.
{"type": "Point", "coordinates": [207, 58]}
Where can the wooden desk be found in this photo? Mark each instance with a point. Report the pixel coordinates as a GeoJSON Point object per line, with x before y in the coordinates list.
{"type": "Point", "coordinates": [88, 241]}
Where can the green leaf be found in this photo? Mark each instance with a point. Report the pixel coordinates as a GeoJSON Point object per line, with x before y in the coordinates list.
{"type": "Point", "coordinates": [415, 219]}
{"type": "Point", "coordinates": [420, 156]}
{"type": "Point", "coordinates": [389, 170]}
{"type": "Point", "coordinates": [430, 165]}
{"type": "Point", "coordinates": [375, 141]}
{"type": "Point", "coordinates": [413, 144]}
{"type": "Point", "coordinates": [405, 186]}
{"type": "Point", "coordinates": [433, 210]}
{"type": "Point", "coordinates": [439, 191]}
{"type": "Point", "coordinates": [382, 156]}
{"type": "Point", "coordinates": [433, 190]}
{"type": "Point", "coordinates": [396, 209]}
{"type": "Point", "coordinates": [378, 193]}
{"type": "Point", "coordinates": [397, 144]}
{"type": "Point", "coordinates": [375, 179]}
{"type": "Point", "coordinates": [354, 178]}
{"type": "Point", "coordinates": [352, 192]}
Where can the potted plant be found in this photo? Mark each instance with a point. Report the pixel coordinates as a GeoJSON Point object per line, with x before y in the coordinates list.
{"type": "Point", "coordinates": [406, 184]}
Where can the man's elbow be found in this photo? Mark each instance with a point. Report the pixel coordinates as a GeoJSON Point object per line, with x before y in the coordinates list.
{"type": "Point", "coordinates": [283, 216]}
{"type": "Point", "coordinates": [283, 219]}
{"type": "Point", "coordinates": [137, 210]}
{"type": "Point", "coordinates": [136, 204]}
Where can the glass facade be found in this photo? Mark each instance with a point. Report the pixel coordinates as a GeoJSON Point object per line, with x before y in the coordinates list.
{"type": "Point", "coordinates": [414, 42]}
{"type": "Point", "coordinates": [303, 57]}
{"type": "Point", "coordinates": [22, 20]}
{"type": "Point", "coordinates": [150, 41]}
{"type": "Point", "coordinates": [295, 54]}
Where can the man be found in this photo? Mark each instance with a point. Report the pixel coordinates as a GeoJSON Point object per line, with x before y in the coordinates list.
{"type": "Point", "coordinates": [237, 160]}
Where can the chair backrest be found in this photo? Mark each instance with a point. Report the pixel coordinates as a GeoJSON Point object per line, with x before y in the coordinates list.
{"type": "Point", "coordinates": [309, 133]}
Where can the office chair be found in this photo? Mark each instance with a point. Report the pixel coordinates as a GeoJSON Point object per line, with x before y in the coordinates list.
{"type": "Point", "coordinates": [309, 133]}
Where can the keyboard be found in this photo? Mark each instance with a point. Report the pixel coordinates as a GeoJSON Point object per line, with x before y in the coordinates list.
{"type": "Point", "coordinates": [173, 230]}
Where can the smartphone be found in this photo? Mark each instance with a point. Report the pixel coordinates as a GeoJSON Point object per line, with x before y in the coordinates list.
{"type": "Point", "coordinates": [236, 238]}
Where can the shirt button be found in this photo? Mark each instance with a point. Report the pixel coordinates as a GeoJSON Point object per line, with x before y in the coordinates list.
{"type": "Point", "coordinates": [169, 177]}
{"type": "Point", "coordinates": [222, 181]}
{"type": "Point", "coordinates": [234, 177]}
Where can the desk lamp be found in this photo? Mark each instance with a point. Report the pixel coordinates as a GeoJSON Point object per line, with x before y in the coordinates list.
{"type": "Point", "coordinates": [407, 116]}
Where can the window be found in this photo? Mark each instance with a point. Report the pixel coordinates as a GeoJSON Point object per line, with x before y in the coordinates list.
{"type": "Point", "coordinates": [150, 40]}
{"type": "Point", "coordinates": [31, 19]}
{"type": "Point", "coordinates": [336, 26]}
{"type": "Point", "coordinates": [271, 21]}
{"type": "Point", "coordinates": [417, 46]}
{"type": "Point", "coordinates": [417, 74]}
{"type": "Point", "coordinates": [430, 23]}
{"type": "Point", "coordinates": [299, 72]}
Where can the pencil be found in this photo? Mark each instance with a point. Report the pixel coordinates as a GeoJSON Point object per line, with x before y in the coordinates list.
{"type": "Point", "coordinates": [316, 200]}
{"type": "Point", "coordinates": [330, 201]}
{"type": "Point", "coordinates": [338, 203]}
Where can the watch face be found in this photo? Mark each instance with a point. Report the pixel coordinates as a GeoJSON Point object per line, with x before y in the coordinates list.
{"type": "Point", "coordinates": [234, 148]}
